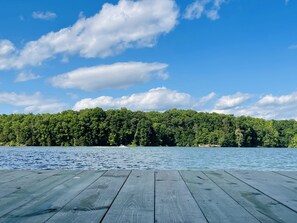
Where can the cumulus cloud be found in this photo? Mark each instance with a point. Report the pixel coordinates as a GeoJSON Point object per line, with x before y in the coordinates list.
{"type": "Point", "coordinates": [278, 107]}
{"type": "Point", "coordinates": [155, 99]}
{"type": "Point", "coordinates": [44, 15]}
{"type": "Point", "coordinates": [279, 100]}
{"type": "Point", "coordinates": [35, 103]}
{"type": "Point", "coordinates": [281, 107]}
{"type": "Point", "coordinates": [231, 101]}
{"type": "Point", "coordinates": [207, 98]}
{"type": "Point", "coordinates": [115, 76]}
{"type": "Point", "coordinates": [267, 107]}
{"type": "Point", "coordinates": [6, 47]}
{"type": "Point", "coordinates": [26, 76]}
{"type": "Point", "coordinates": [161, 99]}
{"type": "Point", "coordinates": [129, 24]}
{"type": "Point", "coordinates": [209, 8]}
{"type": "Point", "coordinates": [258, 111]}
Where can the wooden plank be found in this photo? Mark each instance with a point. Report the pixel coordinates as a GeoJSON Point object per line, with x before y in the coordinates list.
{"type": "Point", "coordinates": [173, 200]}
{"type": "Point", "coordinates": [25, 182]}
{"type": "Point", "coordinates": [50, 203]}
{"type": "Point", "coordinates": [258, 204]}
{"type": "Point", "coordinates": [289, 174]}
{"type": "Point", "coordinates": [276, 186]}
{"type": "Point", "coordinates": [27, 194]}
{"type": "Point", "coordinates": [59, 196]}
{"type": "Point", "coordinates": [12, 175]}
{"type": "Point", "coordinates": [135, 202]}
{"type": "Point", "coordinates": [5, 171]}
{"type": "Point", "coordinates": [92, 204]}
{"type": "Point", "coordinates": [216, 205]}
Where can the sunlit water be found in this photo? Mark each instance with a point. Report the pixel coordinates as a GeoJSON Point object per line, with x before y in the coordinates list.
{"type": "Point", "coordinates": [147, 158]}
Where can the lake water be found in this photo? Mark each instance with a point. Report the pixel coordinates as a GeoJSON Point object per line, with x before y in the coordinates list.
{"type": "Point", "coordinates": [148, 158]}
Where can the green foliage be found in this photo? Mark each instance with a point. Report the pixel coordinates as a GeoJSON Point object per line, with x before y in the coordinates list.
{"type": "Point", "coordinates": [96, 127]}
{"type": "Point", "coordinates": [293, 142]}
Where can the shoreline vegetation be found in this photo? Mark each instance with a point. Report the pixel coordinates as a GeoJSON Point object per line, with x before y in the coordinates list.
{"type": "Point", "coordinates": [184, 128]}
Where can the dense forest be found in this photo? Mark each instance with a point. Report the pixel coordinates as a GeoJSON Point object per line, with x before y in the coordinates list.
{"type": "Point", "coordinates": [96, 127]}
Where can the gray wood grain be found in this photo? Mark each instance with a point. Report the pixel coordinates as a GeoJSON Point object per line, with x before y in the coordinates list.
{"type": "Point", "coordinates": [41, 209]}
{"type": "Point", "coordinates": [12, 175]}
{"type": "Point", "coordinates": [3, 172]}
{"type": "Point", "coordinates": [148, 196]}
{"type": "Point", "coordinates": [174, 202]}
{"type": "Point", "coordinates": [92, 204]}
{"type": "Point", "coordinates": [216, 205]}
{"type": "Point", "coordinates": [289, 174]}
{"type": "Point", "coordinates": [258, 204]}
{"type": "Point", "coordinates": [25, 182]}
{"type": "Point", "coordinates": [26, 197]}
{"type": "Point", "coordinates": [274, 185]}
{"type": "Point", "coordinates": [26, 194]}
{"type": "Point", "coordinates": [135, 202]}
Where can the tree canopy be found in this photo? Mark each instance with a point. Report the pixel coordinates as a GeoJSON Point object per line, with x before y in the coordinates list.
{"type": "Point", "coordinates": [96, 127]}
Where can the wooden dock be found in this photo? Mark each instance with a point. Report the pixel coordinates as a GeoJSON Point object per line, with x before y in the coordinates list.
{"type": "Point", "coordinates": [147, 196]}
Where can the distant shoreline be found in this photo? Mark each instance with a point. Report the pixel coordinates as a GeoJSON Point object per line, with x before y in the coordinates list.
{"type": "Point", "coordinates": [182, 128]}
{"type": "Point", "coordinates": [123, 147]}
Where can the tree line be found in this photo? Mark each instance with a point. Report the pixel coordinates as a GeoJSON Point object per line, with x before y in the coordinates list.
{"type": "Point", "coordinates": [96, 127]}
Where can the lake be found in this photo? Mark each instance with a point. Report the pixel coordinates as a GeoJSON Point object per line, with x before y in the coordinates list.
{"type": "Point", "coordinates": [162, 158]}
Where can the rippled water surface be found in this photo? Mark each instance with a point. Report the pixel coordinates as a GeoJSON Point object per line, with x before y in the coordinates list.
{"type": "Point", "coordinates": [147, 158]}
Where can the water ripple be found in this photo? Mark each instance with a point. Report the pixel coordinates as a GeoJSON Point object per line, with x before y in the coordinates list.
{"type": "Point", "coordinates": [147, 158]}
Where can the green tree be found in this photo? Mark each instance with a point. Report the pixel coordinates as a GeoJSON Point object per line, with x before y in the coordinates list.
{"type": "Point", "coordinates": [145, 134]}
{"type": "Point", "coordinates": [293, 142]}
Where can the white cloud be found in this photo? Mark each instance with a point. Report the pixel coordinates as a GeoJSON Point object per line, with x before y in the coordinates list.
{"type": "Point", "coordinates": [279, 100]}
{"type": "Point", "coordinates": [35, 103]}
{"type": "Point", "coordinates": [267, 107]}
{"type": "Point", "coordinates": [129, 24]}
{"type": "Point", "coordinates": [44, 15]}
{"type": "Point", "coordinates": [258, 111]}
{"type": "Point", "coordinates": [231, 101]}
{"type": "Point", "coordinates": [160, 99]}
{"type": "Point", "coordinates": [210, 8]}
{"type": "Point", "coordinates": [195, 10]}
{"type": "Point", "coordinates": [26, 76]}
{"type": "Point", "coordinates": [155, 99]}
{"type": "Point", "coordinates": [207, 98]}
{"type": "Point", "coordinates": [115, 76]}
{"type": "Point", "coordinates": [6, 47]}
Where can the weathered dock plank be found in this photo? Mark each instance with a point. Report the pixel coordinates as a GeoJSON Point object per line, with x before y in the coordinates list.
{"type": "Point", "coordinates": [12, 175]}
{"type": "Point", "coordinates": [174, 202]}
{"type": "Point", "coordinates": [215, 203]}
{"type": "Point", "coordinates": [135, 202]}
{"type": "Point", "coordinates": [274, 185]}
{"type": "Point", "coordinates": [41, 209]}
{"type": "Point", "coordinates": [92, 204]}
{"type": "Point", "coordinates": [147, 196]}
{"type": "Point", "coordinates": [25, 182]}
{"type": "Point", "coordinates": [289, 174]}
{"type": "Point", "coordinates": [26, 194]}
{"type": "Point", "coordinates": [264, 208]}
{"type": "Point", "coordinates": [4, 172]}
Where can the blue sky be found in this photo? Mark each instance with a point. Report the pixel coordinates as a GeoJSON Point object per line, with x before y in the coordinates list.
{"type": "Point", "coordinates": [227, 56]}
